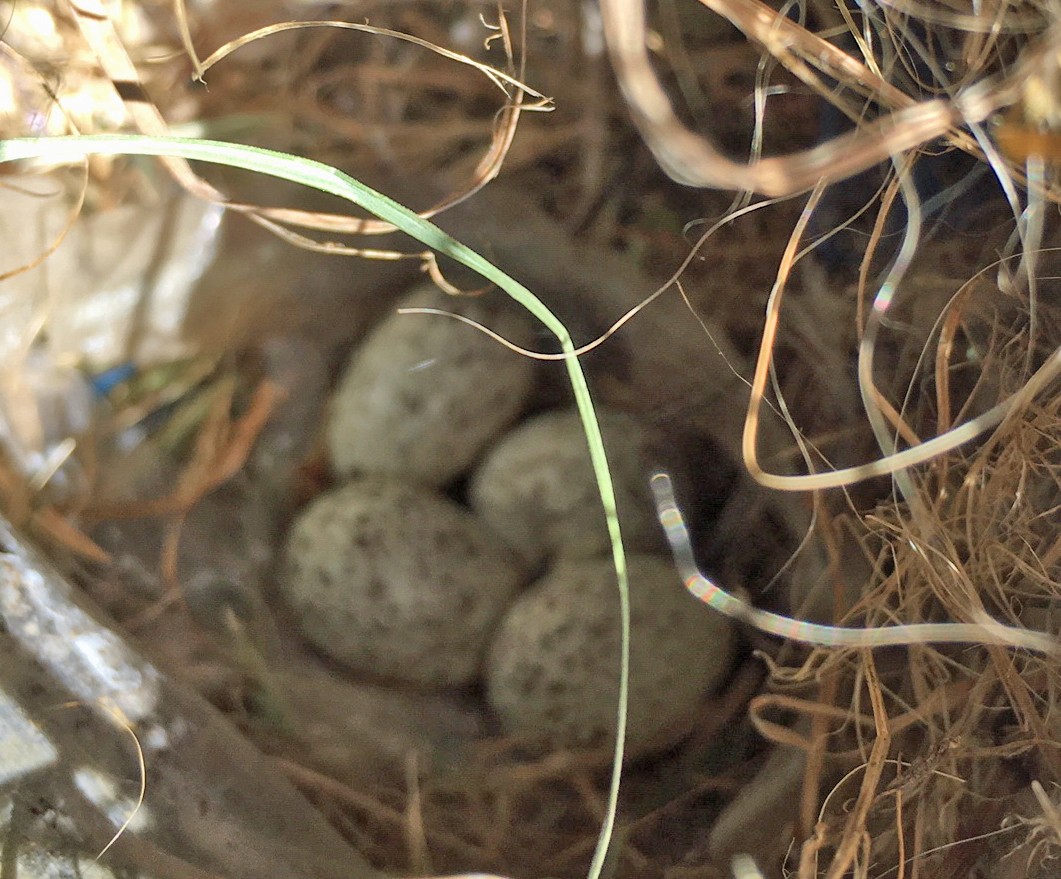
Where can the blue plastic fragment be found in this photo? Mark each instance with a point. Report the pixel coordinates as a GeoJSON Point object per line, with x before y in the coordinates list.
{"type": "Point", "coordinates": [105, 382]}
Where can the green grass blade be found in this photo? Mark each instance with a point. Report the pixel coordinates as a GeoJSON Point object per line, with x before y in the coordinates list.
{"type": "Point", "coordinates": [324, 178]}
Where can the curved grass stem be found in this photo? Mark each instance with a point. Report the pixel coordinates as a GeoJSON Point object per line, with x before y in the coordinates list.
{"type": "Point", "coordinates": [325, 178]}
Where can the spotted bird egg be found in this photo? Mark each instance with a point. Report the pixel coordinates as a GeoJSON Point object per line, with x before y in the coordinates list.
{"type": "Point", "coordinates": [398, 581]}
{"type": "Point", "coordinates": [425, 393]}
{"type": "Point", "coordinates": [538, 490]}
{"type": "Point", "coordinates": [552, 668]}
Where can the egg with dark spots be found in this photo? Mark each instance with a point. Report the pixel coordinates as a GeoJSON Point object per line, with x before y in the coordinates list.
{"type": "Point", "coordinates": [552, 667]}
{"type": "Point", "coordinates": [538, 490]}
{"type": "Point", "coordinates": [425, 394]}
{"type": "Point", "coordinates": [397, 581]}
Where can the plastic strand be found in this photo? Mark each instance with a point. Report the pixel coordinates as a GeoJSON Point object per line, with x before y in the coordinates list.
{"type": "Point", "coordinates": [987, 632]}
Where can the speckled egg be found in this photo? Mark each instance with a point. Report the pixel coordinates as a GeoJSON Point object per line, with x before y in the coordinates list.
{"type": "Point", "coordinates": [397, 581]}
{"type": "Point", "coordinates": [537, 489]}
{"type": "Point", "coordinates": [552, 668]}
{"type": "Point", "coordinates": [424, 394]}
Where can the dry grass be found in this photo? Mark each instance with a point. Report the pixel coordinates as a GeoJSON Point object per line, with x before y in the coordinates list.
{"type": "Point", "coordinates": [919, 761]}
